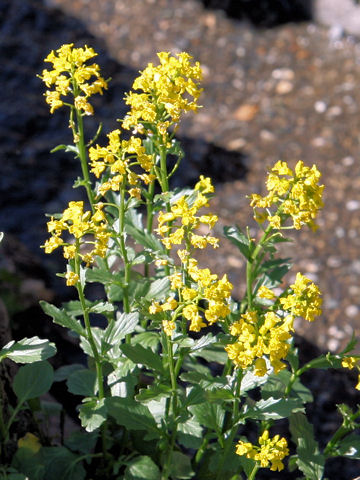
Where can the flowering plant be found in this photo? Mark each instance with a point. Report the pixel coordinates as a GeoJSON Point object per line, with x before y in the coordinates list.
{"type": "Point", "coordinates": [179, 368]}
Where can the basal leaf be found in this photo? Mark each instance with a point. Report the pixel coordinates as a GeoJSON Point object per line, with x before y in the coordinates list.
{"type": "Point", "coordinates": [273, 408]}
{"type": "Point", "coordinates": [28, 350]}
{"type": "Point", "coordinates": [181, 466]}
{"type": "Point", "coordinates": [143, 356]}
{"type": "Point", "coordinates": [310, 461]}
{"type": "Point", "coordinates": [132, 415]}
{"type": "Point", "coordinates": [83, 382]}
{"type": "Point", "coordinates": [142, 468]}
{"type": "Point", "coordinates": [92, 414]}
{"type": "Point", "coordinates": [33, 380]}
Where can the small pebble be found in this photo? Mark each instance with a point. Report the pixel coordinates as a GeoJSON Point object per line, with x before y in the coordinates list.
{"type": "Point", "coordinates": [333, 344]}
{"type": "Point", "coordinates": [334, 111]}
{"type": "Point", "coordinates": [267, 136]}
{"type": "Point", "coordinates": [333, 262]}
{"type": "Point", "coordinates": [283, 74]}
{"type": "Point", "coordinates": [335, 332]}
{"type": "Point", "coordinates": [347, 161]}
{"type": "Point", "coordinates": [352, 311]}
{"type": "Point", "coordinates": [284, 87]}
{"type": "Point", "coordinates": [352, 205]}
{"type": "Point", "coordinates": [320, 106]}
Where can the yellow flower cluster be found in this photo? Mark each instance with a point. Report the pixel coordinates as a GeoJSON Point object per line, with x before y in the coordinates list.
{"type": "Point", "coordinates": [79, 223]}
{"type": "Point", "coordinates": [184, 211]}
{"type": "Point", "coordinates": [190, 283]}
{"type": "Point", "coordinates": [166, 92]}
{"type": "Point", "coordinates": [305, 300]}
{"type": "Point", "coordinates": [350, 363]}
{"type": "Point", "coordinates": [259, 335]}
{"type": "Point", "coordinates": [117, 157]}
{"type": "Point", "coordinates": [269, 451]}
{"type": "Point", "coordinates": [70, 74]}
{"type": "Point", "coordinates": [294, 194]}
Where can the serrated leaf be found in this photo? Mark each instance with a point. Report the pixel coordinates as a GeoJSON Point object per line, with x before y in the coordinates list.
{"type": "Point", "coordinates": [147, 339]}
{"type": "Point", "coordinates": [181, 466]}
{"type": "Point", "coordinates": [80, 441]}
{"type": "Point", "coordinates": [273, 408]}
{"type": "Point", "coordinates": [208, 415]}
{"type": "Point", "coordinates": [62, 464]}
{"type": "Point", "coordinates": [132, 415]}
{"type": "Point", "coordinates": [83, 382]}
{"type": "Point", "coordinates": [142, 468]}
{"type": "Point", "coordinates": [190, 433]}
{"type": "Point", "coordinates": [92, 414]}
{"type": "Point", "coordinates": [202, 342]}
{"type": "Point", "coordinates": [239, 239]}
{"type": "Point", "coordinates": [276, 384]}
{"type": "Point", "coordinates": [158, 289]}
{"type": "Point", "coordinates": [124, 324]}
{"type": "Point", "coordinates": [33, 380]}
{"type": "Point", "coordinates": [310, 461]}
{"type": "Point", "coordinates": [143, 356]}
{"type": "Point", "coordinates": [250, 381]}
{"type": "Point", "coordinates": [62, 318]}
{"type": "Point", "coordinates": [62, 373]}
{"type": "Point", "coordinates": [99, 275]}
{"type": "Point", "coordinates": [102, 307]}
{"type": "Point", "coordinates": [28, 350]}
{"type": "Point", "coordinates": [349, 447]}
{"type": "Point", "coordinates": [153, 392]}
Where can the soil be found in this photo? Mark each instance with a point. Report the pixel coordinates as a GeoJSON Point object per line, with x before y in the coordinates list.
{"type": "Point", "coordinates": [287, 92]}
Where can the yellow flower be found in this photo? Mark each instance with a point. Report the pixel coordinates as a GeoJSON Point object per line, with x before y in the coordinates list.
{"type": "Point", "coordinates": [71, 74]}
{"type": "Point", "coordinates": [169, 327]}
{"type": "Point", "coordinates": [298, 197]}
{"type": "Point", "coordinates": [305, 300]}
{"type": "Point", "coordinates": [269, 453]}
{"type": "Point", "coordinates": [71, 279]}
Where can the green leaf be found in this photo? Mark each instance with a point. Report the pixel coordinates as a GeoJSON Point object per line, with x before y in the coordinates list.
{"type": "Point", "coordinates": [29, 463]}
{"type": "Point", "coordinates": [349, 447]}
{"type": "Point", "coordinates": [190, 433]}
{"type": "Point", "coordinates": [102, 307]}
{"type": "Point", "coordinates": [147, 339]}
{"type": "Point", "coordinates": [203, 342]}
{"type": "Point", "coordinates": [239, 239]}
{"type": "Point", "coordinates": [99, 275]}
{"type": "Point", "coordinates": [92, 414]}
{"type": "Point", "coordinates": [273, 408]}
{"type": "Point", "coordinates": [64, 372]}
{"type": "Point", "coordinates": [33, 380]}
{"type": "Point", "coordinates": [158, 289]}
{"type": "Point", "coordinates": [124, 324]}
{"type": "Point", "coordinates": [139, 234]}
{"type": "Point", "coordinates": [62, 464]}
{"type": "Point", "coordinates": [83, 382]}
{"type": "Point", "coordinates": [143, 356]}
{"type": "Point", "coordinates": [181, 466]}
{"type": "Point", "coordinates": [28, 350]}
{"type": "Point", "coordinates": [62, 318]}
{"type": "Point", "coordinates": [209, 415]}
{"type": "Point", "coordinates": [250, 381]}
{"type": "Point", "coordinates": [83, 442]}
{"type": "Point", "coordinates": [142, 468]}
{"type": "Point", "coordinates": [310, 461]}
{"type": "Point", "coordinates": [132, 415]}
{"type": "Point", "coordinates": [276, 384]}
{"type": "Point", "coordinates": [153, 392]}
{"type": "Point", "coordinates": [122, 386]}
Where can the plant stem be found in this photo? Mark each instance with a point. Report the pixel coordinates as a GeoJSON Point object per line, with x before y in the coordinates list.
{"type": "Point", "coordinates": [253, 473]}
{"type": "Point", "coordinates": [83, 158]}
{"type": "Point", "coordinates": [127, 266]}
{"type": "Point", "coordinates": [167, 465]}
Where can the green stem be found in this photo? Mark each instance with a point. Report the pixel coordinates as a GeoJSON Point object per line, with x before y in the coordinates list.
{"type": "Point", "coordinates": [230, 439]}
{"type": "Point", "coordinates": [127, 266]}
{"type": "Point", "coordinates": [167, 465]}
{"type": "Point", "coordinates": [149, 216]}
{"type": "Point", "coordinates": [339, 434]}
{"type": "Point", "coordinates": [253, 473]}
{"type": "Point", "coordinates": [83, 158]}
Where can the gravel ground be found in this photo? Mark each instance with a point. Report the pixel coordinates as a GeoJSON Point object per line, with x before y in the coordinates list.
{"type": "Point", "coordinates": [288, 92]}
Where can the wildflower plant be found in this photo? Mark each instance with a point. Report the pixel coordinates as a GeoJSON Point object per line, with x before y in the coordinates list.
{"type": "Point", "coordinates": [171, 377]}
